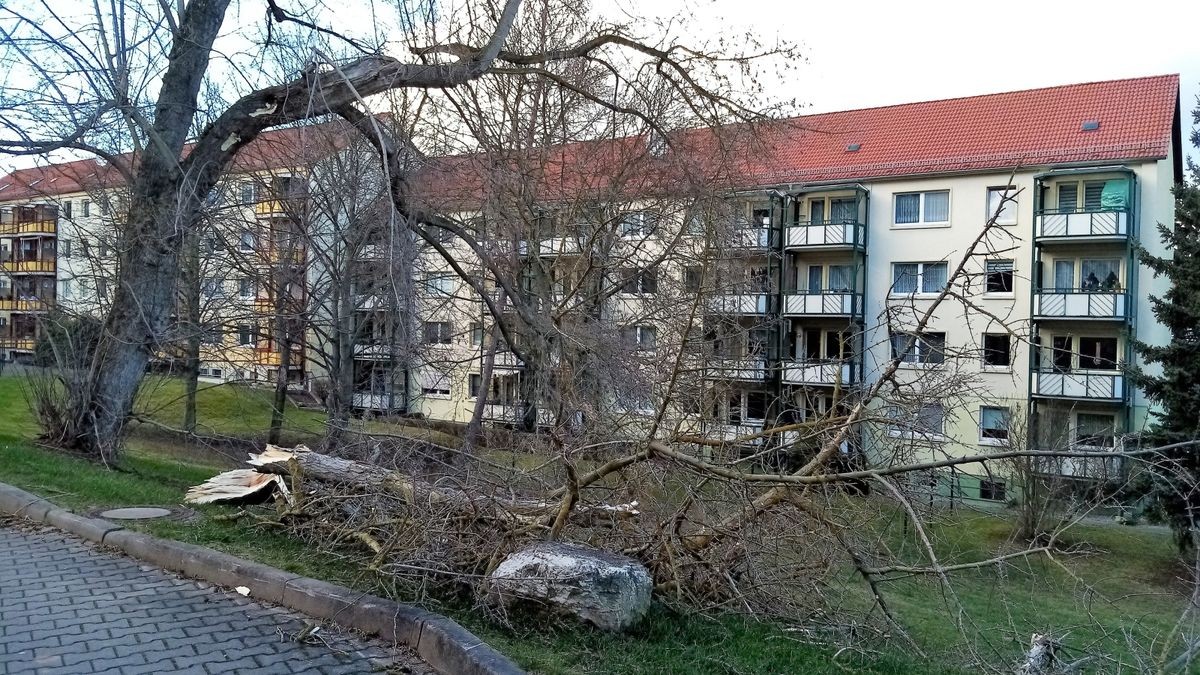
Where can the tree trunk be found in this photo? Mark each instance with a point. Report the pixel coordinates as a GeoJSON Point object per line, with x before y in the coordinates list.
{"type": "Point", "coordinates": [191, 280]}
{"type": "Point", "coordinates": [475, 426]}
{"type": "Point", "coordinates": [284, 343]}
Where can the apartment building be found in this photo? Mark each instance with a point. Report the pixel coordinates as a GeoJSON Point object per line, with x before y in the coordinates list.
{"type": "Point", "coordinates": [841, 229]}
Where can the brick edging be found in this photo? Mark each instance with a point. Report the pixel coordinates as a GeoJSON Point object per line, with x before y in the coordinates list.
{"type": "Point", "coordinates": [438, 640]}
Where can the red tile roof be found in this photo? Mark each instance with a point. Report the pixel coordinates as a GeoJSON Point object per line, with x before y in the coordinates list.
{"type": "Point", "coordinates": [995, 131]}
{"type": "Point", "coordinates": [1034, 127]}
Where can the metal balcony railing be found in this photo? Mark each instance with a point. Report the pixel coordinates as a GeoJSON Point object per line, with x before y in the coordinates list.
{"type": "Point", "coordinates": [1090, 385]}
{"type": "Point", "coordinates": [728, 368]}
{"type": "Point", "coordinates": [1079, 223]}
{"type": "Point", "coordinates": [742, 303]}
{"type": "Point", "coordinates": [31, 227]}
{"type": "Point", "coordinates": [822, 303]}
{"type": "Point", "coordinates": [819, 372]}
{"type": "Point", "coordinates": [825, 234]}
{"type": "Point", "coordinates": [1076, 303]}
{"type": "Point", "coordinates": [25, 304]}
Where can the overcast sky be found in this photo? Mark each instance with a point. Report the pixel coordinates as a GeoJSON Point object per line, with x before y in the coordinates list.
{"type": "Point", "coordinates": [865, 53]}
{"type": "Point", "coordinates": [876, 52]}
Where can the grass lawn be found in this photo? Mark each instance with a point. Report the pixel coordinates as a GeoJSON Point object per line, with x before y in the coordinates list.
{"type": "Point", "coordinates": [1123, 580]}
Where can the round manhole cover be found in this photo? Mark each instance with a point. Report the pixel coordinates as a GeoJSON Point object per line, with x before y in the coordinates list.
{"type": "Point", "coordinates": [136, 513]}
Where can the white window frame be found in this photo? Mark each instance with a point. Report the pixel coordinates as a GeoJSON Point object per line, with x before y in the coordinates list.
{"type": "Point", "coordinates": [638, 223]}
{"type": "Point", "coordinates": [447, 334]}
{"type": "Point", "coordinates": [920, 348]}
{"type": "Point", "coordinates": [921, 210]}
{"type": "Point", "coordinates": [907, 429]}
{"type": "Point", "coordinates": [638, 335]}
{"type": "Point", "coordinates": [985, 440]}
{"type": "Point", "coordinates": [920, 279]}
{"type": "Point", "coordinates": [439, 283]}
{"type": "Point", "coordinates": [1012, 270]}
{"type": "Point", "coordinates": [983, 354]}
{"type": "Point", "coordinates": [1009, 214]}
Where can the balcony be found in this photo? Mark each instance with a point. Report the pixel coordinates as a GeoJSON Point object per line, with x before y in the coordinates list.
{"type": "Point", "coordinates": [1080, 304]}
{"type": "Point", "coordinates": [373, 352]}
{"type": "Point", "coordinates": [1089, 385]}
{"type": "Point", "coordinates": [45, 266]}
{"type": "Point", "coordinates": [818, 372]}
{"type": "Point", "coordinates": [1081, 224]}
{"type": "Point", "coordinates": [268, 356]}
{"type": "Point", "coordinates": [749, 303]}
{"type": "Point", "coordinates": [750, 238]}
{"type": "Point", "coordinates": [554, 246]}
{"type": "Point", "coordinates": [1090, 468]}
{"type": "Point", "coordinates": [47, 227]}
{"type": "Point", "coordinates": [375, 401]}
{"type": "Point", "coordinates": [505, 361]}
{"type": "Point", "coordinates": [25, 304]}
{"type": "Point", "coordinates": [273, 207]}
{"type": "Point", "coordinates": [822, 303]}
{"type": "Point", "coordinates": [514, 413]}
{"type": "Point", "coordinates": [751, 369]}
{"type": "Point", "coordinates": [25, 344]}
{"type": "Point", "coordinates": [825, 235]}
{"type": "Point", "coordinates": [730, 431]}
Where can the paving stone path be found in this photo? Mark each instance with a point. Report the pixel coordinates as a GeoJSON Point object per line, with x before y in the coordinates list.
{"type": "Point", "coordinates": [67, 607]}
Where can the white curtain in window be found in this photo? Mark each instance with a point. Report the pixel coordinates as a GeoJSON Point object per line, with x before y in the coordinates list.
{"type": "Point", "coordinates": [843, 211]}
{"type": "Point", "coordinates": [814, 278]}
{"type": "Point", "coordinates": [937, 207]}
{"type": "Point", "coordinates": [904, 278]}
{"type": "Point", "coordinates": [933, 278]}
{"type": "Point", "coordinates": [1064, 275]}
{"type": "Point", "coordinates": [908, 208]}
{"type": "Point", "coordinates": [840, 278]}
{"type": "Point", "coordinates": [1102, 274]}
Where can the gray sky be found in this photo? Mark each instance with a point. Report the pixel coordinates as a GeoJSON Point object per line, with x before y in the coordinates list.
{"type": "Point", "coordinates": [866, 53]}
{"type": "Point", "coordinates": [877, 52]}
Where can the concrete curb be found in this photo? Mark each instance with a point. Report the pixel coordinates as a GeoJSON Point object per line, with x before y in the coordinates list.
{"type": "Point", "coordinates": [438, 640]}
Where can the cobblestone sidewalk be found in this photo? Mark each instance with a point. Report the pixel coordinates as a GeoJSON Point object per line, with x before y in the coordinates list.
{"type": "Point", "coordinates": [66, 607]}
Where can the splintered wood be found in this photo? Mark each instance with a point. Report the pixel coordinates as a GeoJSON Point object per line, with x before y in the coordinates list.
{"type": "Point", "coordinates": [238, 485]}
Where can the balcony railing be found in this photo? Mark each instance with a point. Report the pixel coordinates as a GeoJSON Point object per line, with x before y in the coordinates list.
{"type": "Point", "coordinates": [825, 234]}
{"type": "Point", "coordinates": [752, 369]}
{"type": "Point", "coordinates": [506, 361]}
{"type": "Point", "coordinates": [268, 356]}
{"type": "Point", "coordinates": [376, 401]}
{"type": "Point", "coordinates": [750, 237]}
{"type": "Point", "coordinates": [554, 246]}
{"type": "Point", "coordinates": [514, 413]}
{"type": "Point", "coordinates": [749, 303]}
{"type": "Point", "coordinates": [818, 372]}
{"type": "Point", "coordinates": [1077, 303]}
{"type": "Point", "coordinates": [822, 303]}
{"type": "Point", "coordinates": [28, 266]}
{"type": "Point", "coordinates": [25, 304]}
{"type": "Point", "coordinates": [1081, 223]}
{"type": "Point", "coordinates": [729, 431]}
{"type": "Point", "coordinates": [19, 343]}
{"type": "Point", "coordinates": [1091, 468]}
{"type": "Point", "coordinates": [32, 227]}
{"type": "Point", "coordinates": [1080, 384]}
{"type": "Point", "coordinates": [373, 352]}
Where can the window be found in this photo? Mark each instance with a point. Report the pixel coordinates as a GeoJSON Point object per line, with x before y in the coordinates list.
{"type": "Point", "coordinates": [246, 287]}
{"type": "Point", "coordinates": [437, 333]}
{"type": "Point", "coordinates": [86, 207]}
{"type": "Point", "coordinates": [211, 287]}
{"type": "Point", "coordinates": [923, 208]}
{"type": "Point", "coordinates": [247, 193]}
{"type": "Point", "coordinates": [638, 223]}
{"type": "Point", "coordinates": [922, 348]}
{"type": "Point", "coordinates": [760, 216]}
{"type": "Point", "coordinates": [442, 284]}
{"type": "Point", "coordinates": [1068, 197]}
{"type": "Point", "coordinates": [997, 350]}
{"type": "Point", "coordinates": [928, 419]}
{"type": "Point", "coordinates": [926, 278]}
{"type": "Point", "coordinates": [67, 289]}
{"type": "Point", "coordinates": [216, 372]}
{"type": "Point", "coordinates": [691, 279]}
{"type": "Point", "coordinates": [476, 334]}
{"type": "Point", "coordinates": [434, 383]}
{"type": "Point", "coordinates": [816, 211]}
{"type": "Point", "coordinates": [104, 249]}
{"type": "Point", "coordinates": [102, 288]}
{"type": "Point", "coordinates": [1092, 193]}
{"type": "Point", "coordinates": [1061, 353]}
{"type": "Point", "coordinates": [757, 340]}
{"type": "Point", "coordinates": [993, 424]}
{"type": "Point", "coordinates": [1096, 431]}
{"type": "Point", "coordinates": [634, 281]}
{"type": "Point", "coordinates": [639, 338]}
{"type": "Point", "coordinates": [843, 210]}
{"type": "Point", "coordinates": [67, 208]}
{"type": "Point", "coordinates": [246, 241]}
{"type": "Point", "coordinates": [756, 405]}
{"type": "Point", "coordinates": [1098, 275]}
{"type": "Point", "coordinates": [1007, 209]}
{"type": "Point", "coordinates": [245, 335]}
{"type": "Point", "coordinates": [1098, 352]}
{"type": "Point", "coordinates": [64, 248]}
{"type": "Point", "coordinates": [1064, 275]}
{"type": "Point", "coordinates": [991, 489]}
{"type": "Point", "coordinates": [999, 276]}
{"type": "Point", "coordinates": [474, 382]}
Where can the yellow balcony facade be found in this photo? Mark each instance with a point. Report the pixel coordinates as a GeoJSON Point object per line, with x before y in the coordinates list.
{"type": "Point", "coordinates": [28, 266]}
{"type": "Point", "coordinates": [24, 305]}
{"type": "Point", "coordinates": [21, 344]}
{"type": "Point", "coordinates": [31, 227]}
